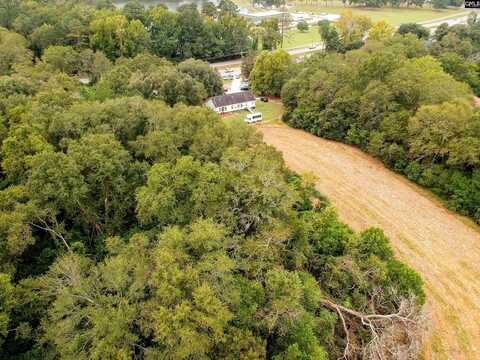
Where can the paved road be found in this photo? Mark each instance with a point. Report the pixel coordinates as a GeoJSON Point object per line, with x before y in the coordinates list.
{"type": "Point", "coordinates": [235, 86]}
{"type": "Point", "coordinates": [302, 50]}
{"type": "Point", "coordinates": [450, 20]}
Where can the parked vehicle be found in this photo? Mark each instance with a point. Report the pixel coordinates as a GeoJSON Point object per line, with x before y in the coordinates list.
{"type": "Point", "coordinates": [253, 117]}
{"type": "Point", "coordinates": [244, 86]}
{"type": "Point", "coordinates": [264, 98]}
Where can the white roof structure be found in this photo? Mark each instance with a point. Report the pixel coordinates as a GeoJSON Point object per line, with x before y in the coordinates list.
{"type": "Point", "coordinates": [233, 98]}
{"type": "Point", "coordinates": [314, 18]}
{"type": "Point", "coordinates": [329, 17]}
{"type": "Point", "coordinates": [264, 14]}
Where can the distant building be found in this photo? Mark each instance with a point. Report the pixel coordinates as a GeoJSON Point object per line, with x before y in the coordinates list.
{"type": "Point", "coordinates": [257, 17]}
{"type": "Point", "coordinates": [295, 17]}
{"type": "Point", "coordinates": [232, 102]}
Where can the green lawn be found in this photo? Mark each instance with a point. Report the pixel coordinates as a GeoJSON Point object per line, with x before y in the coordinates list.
{"type": "Point", "coordinates": [271, 111]}
{"type": "Point", "coordinates": [394, 16]}
{"type": "Point", "coordinates": [244, 4]}
{"type": "Point", "coordinates": [295, 38]}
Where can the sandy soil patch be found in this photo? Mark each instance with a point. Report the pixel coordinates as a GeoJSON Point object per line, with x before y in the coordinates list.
{"type": "Point", "coordinates": [442, 246]}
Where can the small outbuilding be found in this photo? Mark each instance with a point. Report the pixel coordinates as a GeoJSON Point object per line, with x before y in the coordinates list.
{"type": "Point", "coordinates": [232, 102]}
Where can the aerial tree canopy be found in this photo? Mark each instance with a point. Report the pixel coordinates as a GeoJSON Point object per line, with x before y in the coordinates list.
{"type": "Point", "coordinates": [136, 223]}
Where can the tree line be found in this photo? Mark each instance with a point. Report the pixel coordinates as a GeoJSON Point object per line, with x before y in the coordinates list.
{"type": "Point", "coordinates": [135, 224]}
{"type": "Point", "coordinates": [402, 98]}
{"type": "Point", "coordinates": [215, 32]}
{"type": "Point", "coordinates": [437, 4]}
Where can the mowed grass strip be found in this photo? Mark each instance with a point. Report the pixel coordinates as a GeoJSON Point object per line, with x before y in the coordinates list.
{"type": "Point", "coordinates": [394, 16]}
{"type": "Point", "coordinates": [294, 38]}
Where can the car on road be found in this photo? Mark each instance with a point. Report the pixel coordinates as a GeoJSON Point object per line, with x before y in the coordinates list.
{"type": "Point", "coordinates": [264, 98]}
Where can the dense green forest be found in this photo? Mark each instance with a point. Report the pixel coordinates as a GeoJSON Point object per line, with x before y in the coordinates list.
{"type": "Point", "coordinates": [404, 99]}
{"type": "Point", "coordinates": [135, 224]}
{"type": "Point", "coordinates": [213, 33]}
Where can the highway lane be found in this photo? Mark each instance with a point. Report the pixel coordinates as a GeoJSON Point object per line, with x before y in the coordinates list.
{"type": "Point", "coordinates": [450, 20]}
{"type": "Point", "coordinates": [296, 51]}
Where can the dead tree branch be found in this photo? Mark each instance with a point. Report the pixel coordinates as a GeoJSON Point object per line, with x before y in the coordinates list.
{"type": "Point", "coordinates": [393, 336]}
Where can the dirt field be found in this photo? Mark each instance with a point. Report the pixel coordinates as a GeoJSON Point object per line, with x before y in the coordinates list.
{"type": "Point", "coordinates": [443, 247]}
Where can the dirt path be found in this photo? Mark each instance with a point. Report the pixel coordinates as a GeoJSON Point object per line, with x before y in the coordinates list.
{"type": "Point", "coordinates": [443, 247]}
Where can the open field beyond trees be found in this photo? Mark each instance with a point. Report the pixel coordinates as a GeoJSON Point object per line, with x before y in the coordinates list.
{"type": "Point", "coordinates": [395, 16]}
{"type": "Point", "coordinates": [443, 247]}
{"type": "Point", "coordinates": [294, 38]}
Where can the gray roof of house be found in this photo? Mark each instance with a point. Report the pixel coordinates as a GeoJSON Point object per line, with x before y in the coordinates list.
{"type": "Point", "coordinates": [234, 98]}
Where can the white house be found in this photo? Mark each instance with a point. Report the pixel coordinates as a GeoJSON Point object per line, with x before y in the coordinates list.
{"type": "Point", "coordinates": [232, 102]}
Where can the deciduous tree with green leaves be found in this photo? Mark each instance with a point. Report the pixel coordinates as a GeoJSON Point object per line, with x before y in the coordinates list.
{"type": "Point", "coordinates": [270, 72]}
{"type": "Point", "coordinates": [135, 225]}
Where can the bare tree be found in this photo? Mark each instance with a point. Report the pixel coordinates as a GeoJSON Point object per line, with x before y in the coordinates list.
{"type": "Point", "coordinates": [396, 335]}
{"type": "Point", "coordinates": [47, 221]}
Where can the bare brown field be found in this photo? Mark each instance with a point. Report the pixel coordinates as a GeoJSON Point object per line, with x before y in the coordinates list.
{"type": "Point", "coordinates": [442, 246]}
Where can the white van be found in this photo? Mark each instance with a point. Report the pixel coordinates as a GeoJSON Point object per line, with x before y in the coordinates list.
{"type": "Point", "coordinates": [253, 117]}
